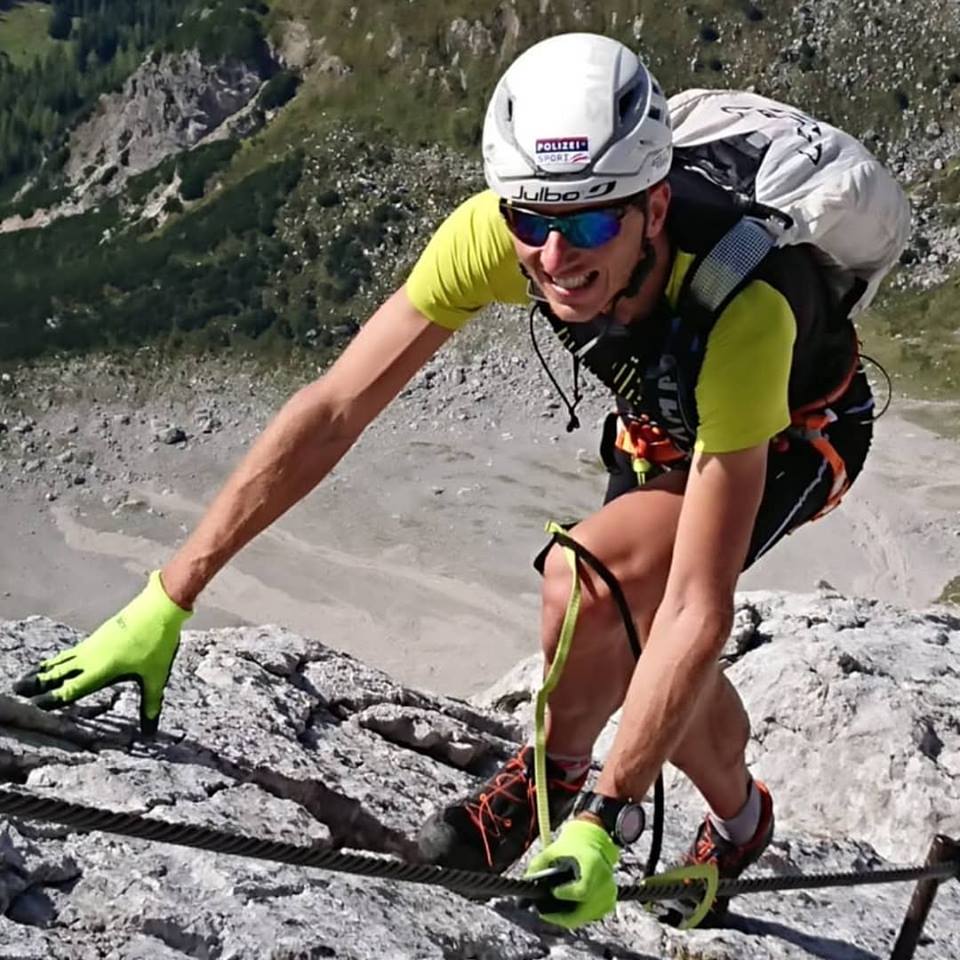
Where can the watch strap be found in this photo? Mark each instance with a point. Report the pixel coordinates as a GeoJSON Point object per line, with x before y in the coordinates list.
{"type": "Point", "coordinates": [607, 810]}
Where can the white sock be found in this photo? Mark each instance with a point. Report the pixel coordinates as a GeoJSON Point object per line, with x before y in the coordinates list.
{"type": "Point", "coordinates": [743, 827]}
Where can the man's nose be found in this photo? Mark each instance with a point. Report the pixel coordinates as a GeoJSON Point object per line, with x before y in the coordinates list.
{"type": "Point", "coordinates": [555, 252]}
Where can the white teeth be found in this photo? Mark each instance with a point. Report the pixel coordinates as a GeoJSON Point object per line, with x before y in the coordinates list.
{"type": "Point", "coordinates": [571, 283]}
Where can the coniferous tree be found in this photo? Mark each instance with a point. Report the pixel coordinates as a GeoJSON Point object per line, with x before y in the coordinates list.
{"type": "Point", "coordinates": [39, 101]}
{"type": "Point", "coordinates": [61, 24]}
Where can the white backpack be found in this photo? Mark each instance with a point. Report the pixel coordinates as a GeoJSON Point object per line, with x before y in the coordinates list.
{"type": "Point", "coordinates": [798, 181]}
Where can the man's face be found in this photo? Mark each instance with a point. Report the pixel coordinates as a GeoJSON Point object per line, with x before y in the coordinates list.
{"type": "Point", "coordinates": [577, 282]}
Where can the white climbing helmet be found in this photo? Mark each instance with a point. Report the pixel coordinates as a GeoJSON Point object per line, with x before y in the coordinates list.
{"type": "Point", "coordinates": [576, 118]}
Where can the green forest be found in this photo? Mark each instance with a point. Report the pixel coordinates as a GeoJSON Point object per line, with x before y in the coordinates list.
{"type": "Point", "coordinates": [101, 279]}
{"type": "Point", "coordinates": [98, 44]}
{"type": "Point", "coordinates": [63, 288]}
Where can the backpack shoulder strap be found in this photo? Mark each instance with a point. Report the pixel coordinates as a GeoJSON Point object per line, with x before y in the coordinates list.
{"type": "Point", "coordinates": [718, 275]}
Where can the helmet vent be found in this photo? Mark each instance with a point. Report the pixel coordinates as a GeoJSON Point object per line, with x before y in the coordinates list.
{"type": "Point", "coordinates": [626, 104]}
{"type": "Point", "coordinates": [510, 110]}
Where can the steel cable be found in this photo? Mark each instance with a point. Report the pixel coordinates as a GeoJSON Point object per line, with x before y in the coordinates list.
{"type": "Point", "coordinates": [466, 882]}
{"type": "Point", "coordinates": [806, 881]}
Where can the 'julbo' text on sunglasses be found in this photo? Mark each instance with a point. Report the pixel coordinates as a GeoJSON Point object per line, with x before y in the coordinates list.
{"type": "Point", "coordinates": [585, 228]}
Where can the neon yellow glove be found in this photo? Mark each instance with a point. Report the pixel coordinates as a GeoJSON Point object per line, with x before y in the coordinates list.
{"type": "Point", "coordinates": [593, 854]}
{"type": "Point", "coordinates": [139, 644]}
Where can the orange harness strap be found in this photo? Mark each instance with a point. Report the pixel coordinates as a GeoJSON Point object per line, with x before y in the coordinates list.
{"type": "Point", "coordinates": [841, 481]}
{"type": "Point", "coordinates": [647, 445]}
{"type": "Point", "coordinates": [809, 422]}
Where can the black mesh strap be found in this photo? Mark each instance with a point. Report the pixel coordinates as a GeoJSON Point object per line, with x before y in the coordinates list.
{"type": "Point", "coordinates": [717, 276]}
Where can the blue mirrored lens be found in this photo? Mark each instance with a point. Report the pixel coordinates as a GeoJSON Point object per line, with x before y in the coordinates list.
{"type": "Point", "coordinates": [529, 228]}
{"type": "Point", "coordinates": [591, 228]}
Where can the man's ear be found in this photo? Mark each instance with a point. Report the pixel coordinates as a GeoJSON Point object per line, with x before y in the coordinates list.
{"type": "Point", "coordinates": [658, 202]}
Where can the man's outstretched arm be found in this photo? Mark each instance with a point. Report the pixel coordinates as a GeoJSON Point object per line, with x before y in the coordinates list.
{"type": "Point", "coordinates": [305, 440]}
{"type": "Point", "coordinates": [296, 451]}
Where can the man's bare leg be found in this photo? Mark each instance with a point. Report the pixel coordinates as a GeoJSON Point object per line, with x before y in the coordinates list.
{"type": "Point", "coordinates": [636, 546]}
{"type": "Point", "coordinates": [490, 828]}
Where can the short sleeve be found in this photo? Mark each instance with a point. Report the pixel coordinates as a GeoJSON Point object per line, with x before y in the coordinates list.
{"type": "Point", "coordinates": [742, 391]}
{"type": "Point", "coordinates": [469, 263]}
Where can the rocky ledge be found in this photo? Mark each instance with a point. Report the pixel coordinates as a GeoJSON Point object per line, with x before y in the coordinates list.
{"type": "Point", "coordinates": [272, 734]}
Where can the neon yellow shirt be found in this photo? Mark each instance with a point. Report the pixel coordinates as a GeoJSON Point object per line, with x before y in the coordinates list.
{"type": "Point", "coordinates": [742, 390]}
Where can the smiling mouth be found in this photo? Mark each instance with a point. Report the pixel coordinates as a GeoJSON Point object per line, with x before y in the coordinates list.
{"type": "Point", "coordinates": [572, 283]}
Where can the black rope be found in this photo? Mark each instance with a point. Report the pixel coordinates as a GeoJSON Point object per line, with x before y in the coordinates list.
{"type": "Point", "coordinates": [219, 841]}
{"type": "Point", "coordinates": [574, 422]}
{"type": "Point", "coordinates": [460, 881]}
{"type": "Point", "coordinates": [616, 591]}
{"type": "Point", "coordinates": [656, 839]}
{"type": "Point", "coordinates": [800, 881]}
{"type": "Point", "coordinates": [886, 377]}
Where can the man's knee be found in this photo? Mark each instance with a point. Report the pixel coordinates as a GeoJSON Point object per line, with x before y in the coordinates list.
{"type": "Point", "coordinates": [555, 588]}
{"type": "Point", "coordinates": [599, 615]}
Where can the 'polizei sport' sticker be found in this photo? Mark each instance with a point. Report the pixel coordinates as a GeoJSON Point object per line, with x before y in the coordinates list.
{"type": "Point", "coordinates": [563, 150]}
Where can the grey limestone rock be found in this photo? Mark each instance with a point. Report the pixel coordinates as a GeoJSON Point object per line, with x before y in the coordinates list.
{"type": "Point", "coordinates": [169, 104]}
{"type": "Point", "coordinates": [169, 433]}
{"type": "Point", "coordinates": [272, 734]}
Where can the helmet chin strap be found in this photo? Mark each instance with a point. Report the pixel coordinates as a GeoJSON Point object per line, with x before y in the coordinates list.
{"type": "Point", "coordinates": [641, 270]}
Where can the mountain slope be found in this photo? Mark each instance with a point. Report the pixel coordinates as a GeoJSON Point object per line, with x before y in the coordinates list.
{"type": "Point", "coordinates": [275, 735]}
{"type": "Point", "coordinates": [376, 113]}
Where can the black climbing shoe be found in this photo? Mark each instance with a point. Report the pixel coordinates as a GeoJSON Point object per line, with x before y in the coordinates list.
{"type": "Point", "coordinates": [492, 828]}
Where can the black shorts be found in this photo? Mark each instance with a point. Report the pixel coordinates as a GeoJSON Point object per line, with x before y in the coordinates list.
{"type": "Point", "coordinates": [798, 480]}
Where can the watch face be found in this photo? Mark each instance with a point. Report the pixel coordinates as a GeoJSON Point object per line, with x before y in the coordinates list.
{"type": "Point", "coordinates": [630, 823]}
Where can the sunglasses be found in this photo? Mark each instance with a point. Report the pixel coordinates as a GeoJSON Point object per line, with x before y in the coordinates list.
{"type": "Point", "coordinates": [586, 229]}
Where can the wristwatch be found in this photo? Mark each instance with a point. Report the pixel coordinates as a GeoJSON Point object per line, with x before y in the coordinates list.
{"type": "Point", "coordinates": [622, 819]}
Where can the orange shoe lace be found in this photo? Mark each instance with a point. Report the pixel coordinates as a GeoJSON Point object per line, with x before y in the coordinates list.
{"type": "Point", "coordinates": [502, 784]}
{"type": "Point", "coordinates": [485, 818]}
{"type": "Point", "coordinates": [705, 848]}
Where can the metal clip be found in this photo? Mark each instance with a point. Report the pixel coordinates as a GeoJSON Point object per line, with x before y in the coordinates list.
{"type": "Point", "coordinates": [682, 912]}
{"type": "Point", "coordinates": [565, 872]}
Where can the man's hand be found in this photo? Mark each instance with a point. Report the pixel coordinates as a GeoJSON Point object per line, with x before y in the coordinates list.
{"type": "Point", "coordinates": [139, 643]}
{"type": "Point", "coordinates": [594, 855]}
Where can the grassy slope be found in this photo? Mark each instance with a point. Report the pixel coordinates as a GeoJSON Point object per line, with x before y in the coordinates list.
{"type": "Point", "coordinates": [722, 43]}
{"type": "Point", "coordinates": [391, 82]}
{"type": "Point", "coordinates": [708, 43]}
{"type": "Point", "coordinates": [23, 32]}
{"type": "Point", "coordinates": [915, 335]}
